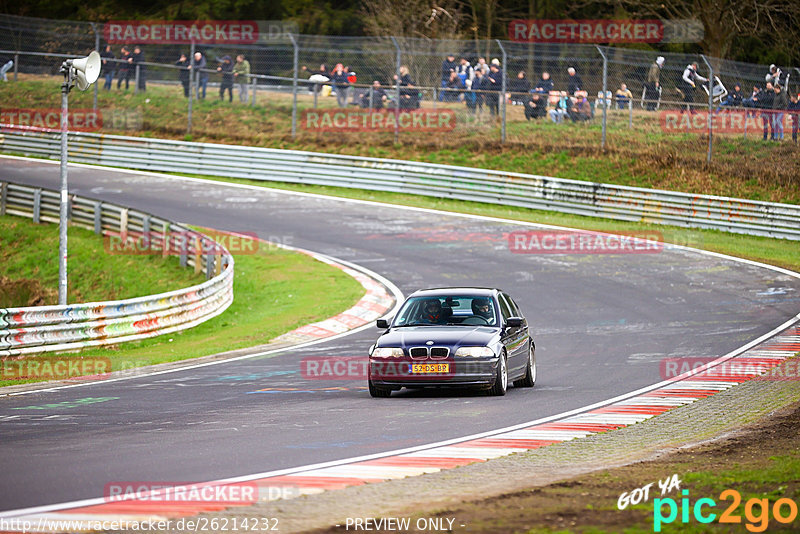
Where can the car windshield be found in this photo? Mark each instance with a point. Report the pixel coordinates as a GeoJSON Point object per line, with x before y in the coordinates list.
{"type": "Point", "coordinates": [473, 310]}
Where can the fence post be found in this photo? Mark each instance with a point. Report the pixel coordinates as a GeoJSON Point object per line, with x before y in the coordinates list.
{"type": "Point", "coordinates": [294, 84]}
{"type": "Point", "coordinates": [3, 197]}
{"type": "Point", "coordinates": [605, 104]}
{"type": "Point", "coordinates": [96, 47]}
{"type": "Point", "coordinates": [371, 98]}
{"type": "Point", "coordinates": [16, 62]}
{"type": "Point", "coordinates": [253, 96]}
{"type": "Point", "coordinates": [136, 88]}
{"type": "Point", "coordinates": [397, 90]}
{"type": "Point", "coordinates": [502, 102]}
{"type": "Point", "coordinates": [710, 107]}
{"type": "Point", "coordinates": [191, 91]}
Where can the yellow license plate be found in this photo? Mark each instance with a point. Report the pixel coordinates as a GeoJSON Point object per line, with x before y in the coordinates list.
{"type": "Point", "coordinates": [426, 368]}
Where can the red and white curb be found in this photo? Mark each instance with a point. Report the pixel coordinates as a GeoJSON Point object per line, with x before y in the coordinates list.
{"type": "Point", "coordinates": [760, 358]}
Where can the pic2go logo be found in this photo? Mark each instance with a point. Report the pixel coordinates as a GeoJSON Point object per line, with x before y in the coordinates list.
{"type": "Point", "coordinates": [756, 511]}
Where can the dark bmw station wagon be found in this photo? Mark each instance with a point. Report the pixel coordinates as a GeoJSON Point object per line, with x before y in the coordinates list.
{"type": "Point", "coordinates": [454, 337]}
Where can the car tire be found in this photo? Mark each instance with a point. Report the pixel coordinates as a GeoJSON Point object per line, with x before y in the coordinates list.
{"type": "Point", "coordinates": [529, 379]}
{"type": "Point", "coordinates": [501, 379]}
{"type": "Point", "coordinates": [379, 392]}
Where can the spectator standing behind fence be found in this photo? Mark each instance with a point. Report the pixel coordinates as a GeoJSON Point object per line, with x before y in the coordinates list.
{"type": "Point", "coordinates": [323, 71]}
{"type": "Point", "coordinates": [241, 75]}
{"type": "Point", "coordinates": [465, 72]}
{"type": "Point", "coordinates": [765, 100]}
{"type": "Point", "coordinates": [495, 85]}
{"type": "Point", "coordinates": [226, 69]}
{"type": "Point", "coordinates": [199, 66]}
{"type": "Point", "coordinates": [448, 65]}
{"type": "Point", "coordinates": [5, 65]}
{"type": "Point", "coordinates": [779, 103]}
{"type": "Point", "coordinates": [137, 62]}
{"type": "Point", "coordinates": [124, 70]}
{"type": "Point", "coordinates": [794, 113]}
{"type": "Point", "coordinates": [624, 96]}
{"type": "Point", "coordinates": [409, 95]}
{"type": "Point", "coordinates": [519, 88]}
{"type": "Point", "coordinates": [774, 76]}
{"type": "Point", "coordinates": [574, 82]}
{"type": "Point", "coordinates": [183, 73]}
{"type": "Point", "coordinates": [653, 87]}
{"type": "Point", "coordinates": [475, 96]}
{"type": "Point", "coordinates": [689, 84]}
{"type": "Point", "coordinates": [482, 65]}
{"type": "Point", "coordinates": [107, 66]}
{"type": "Point", "coordinates": [340, 85]}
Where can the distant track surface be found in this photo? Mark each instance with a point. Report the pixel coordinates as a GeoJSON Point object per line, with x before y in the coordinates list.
{"type": "Point", "coordinates": [602, 324]}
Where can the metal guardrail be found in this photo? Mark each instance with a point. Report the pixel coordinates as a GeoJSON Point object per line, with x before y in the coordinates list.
{"type": "Point", "coordinates": [39, 329]}
{"type": "Point", "coordinates": [441, 181]}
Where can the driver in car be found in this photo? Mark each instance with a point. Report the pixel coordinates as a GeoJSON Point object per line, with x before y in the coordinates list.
{"type": "Point", "coordinates": [433, 313]}
{"type": "Point", "coordinates": [482, 308]}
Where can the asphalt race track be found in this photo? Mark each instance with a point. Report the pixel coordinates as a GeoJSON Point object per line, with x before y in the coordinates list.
{"type": "Point", "coordinates": [602, 324]}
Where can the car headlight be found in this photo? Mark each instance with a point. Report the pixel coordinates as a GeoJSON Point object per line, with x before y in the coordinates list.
{"type": "Point", "coordinates": [475, 352]}
{"type": "Point", "coordinates": [387, 352]}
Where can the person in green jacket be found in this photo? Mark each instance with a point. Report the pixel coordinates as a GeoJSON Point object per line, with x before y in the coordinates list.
{"type": "Point", "coordinates": [241, 76]}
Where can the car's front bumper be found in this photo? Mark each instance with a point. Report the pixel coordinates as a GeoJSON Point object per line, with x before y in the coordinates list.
{"type": "Point", "coordinates": [396, 372]}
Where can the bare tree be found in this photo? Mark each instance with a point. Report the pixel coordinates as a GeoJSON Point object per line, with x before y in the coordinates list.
{"type": "Point", "coordinates": [725, 20]}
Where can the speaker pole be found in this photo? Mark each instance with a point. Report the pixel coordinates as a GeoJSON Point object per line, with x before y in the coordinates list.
{"type": "Point", "coordinates": [66, 68]}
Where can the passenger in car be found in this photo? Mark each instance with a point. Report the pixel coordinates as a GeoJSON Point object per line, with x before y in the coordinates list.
{"type": "Point", "coordinates": [433, 313]}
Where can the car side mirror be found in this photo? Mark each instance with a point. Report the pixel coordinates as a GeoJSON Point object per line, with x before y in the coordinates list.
{"type": "Point", "coordinates": [382, 323]}
{"type": "Point", "coordinates": [514, 322]}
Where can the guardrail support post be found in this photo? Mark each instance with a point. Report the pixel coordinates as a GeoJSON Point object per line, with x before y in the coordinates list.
{"type": "Point", "coordinates": [605, 104]}
{"type": "Point", "coordinates": [37, 205]}
{"type": "Point", "coordinates": [710, 107]}
{"type": "Point", "coordinates": [3, 197]}
{"type": "Point", "coordinates": [98, 217]}
{"type": "Point", "coordinates": [503, 92]}
{"type": "Point", "coordinates": [136, 88]}
{"type": "Point", "coordinates": [209, 266]}
{"type": "Point", "coordinates": [296, 60]}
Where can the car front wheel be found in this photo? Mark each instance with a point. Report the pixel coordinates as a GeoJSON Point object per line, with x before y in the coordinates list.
{"type": "Point", "coordinates": [501, 380]}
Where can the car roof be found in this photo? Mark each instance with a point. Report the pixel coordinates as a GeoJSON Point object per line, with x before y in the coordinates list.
{"type": "Point", "coordinates": [445, 291]}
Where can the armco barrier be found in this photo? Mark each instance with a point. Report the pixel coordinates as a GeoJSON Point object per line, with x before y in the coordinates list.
{"type": "Point", "coordinates": [441, 181]}
{"type": "Point", "coordinates": [53, 328]}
